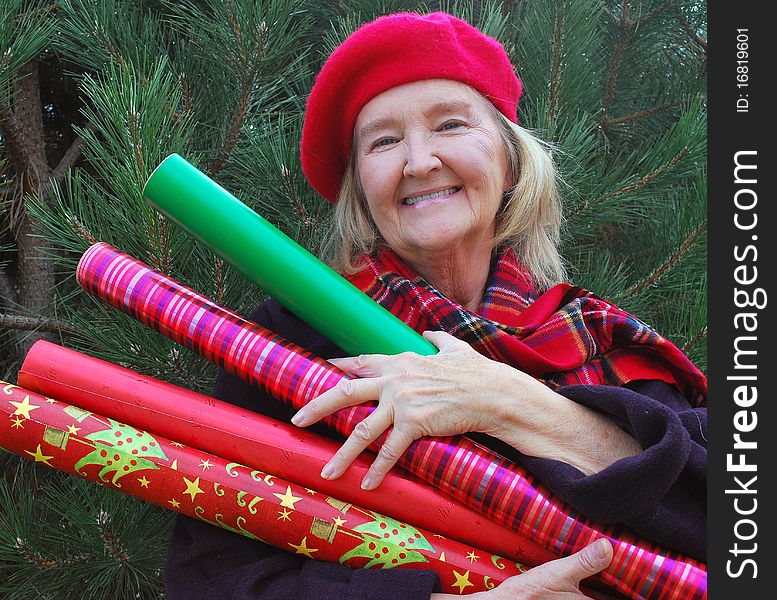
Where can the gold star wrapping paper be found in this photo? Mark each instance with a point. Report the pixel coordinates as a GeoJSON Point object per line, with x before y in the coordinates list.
{"type": "Point", "coordinates": [246, 437]}
{"type": "Point", "coordinates": [233, 496]}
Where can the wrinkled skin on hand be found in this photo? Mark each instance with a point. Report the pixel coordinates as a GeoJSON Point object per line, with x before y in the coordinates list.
{"type": "Point", "coordinates": [452, 392]}
{"type": "Point", "coordinates": [457, 391]}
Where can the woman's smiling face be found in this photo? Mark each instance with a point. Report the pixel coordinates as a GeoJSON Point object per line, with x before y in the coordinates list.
{"type": "Point", "coordinates": [432, 166]}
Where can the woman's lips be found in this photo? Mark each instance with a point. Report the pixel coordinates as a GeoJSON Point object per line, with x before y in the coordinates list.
{"type": "Point", "coordinates": [414, 200]}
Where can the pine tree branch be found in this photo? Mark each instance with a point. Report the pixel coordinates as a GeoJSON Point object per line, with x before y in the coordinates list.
{"type": "Point", "coordinates": [112, 543]}
{"type": "Point", "coordinates": [159, 257]}
{"type": "Point", "coordinates": [115, 55]}
{"type": "Point", "coordinates": [236, 29]}
{"type": "Point", "coordinates": [71, 156]}
{"type": "Point", "coordinates": [218, 281]}
{"type": "Point", "coordinates": [43, 324]}
{"type": "Point", "coordinates": [186, 95]}
{"type": "Point", "coordinates": [629, 22]}
{"type": "Point", "coordinates": [668, 263]}
{"type": "Point", "coordinates": [81, 230]}
{"type": "Point", "coordinates": [242, 108]}
{"type": "Point", "coordinates": [650, 14]}
{"type": "Point", "coordinates": [694, 340]}
{"type": "Point", "coordinates": [616, 58]}
{"type": "Point", "coordinates": [647, 178]}
{"type": "Point", "coordinates": [555, 74]}
{"type": "Point", "coordinates": [37, 559]}
{"type": "Point", "coordinates": [294, 200]}
{"type": "Point", "coordinates": [632, 186]}
{"type": "Point", "coordinates": [639, 115]}
{"type": "Point", "coordinates": [691, 33]}
{"type": "Point", "coordinates": [133, 123]}
{"type": "Point", "coordinates": [300, 210]}
{"type": "Point", "coordinates": [507, 7]}
{"type": "Point", "coordinates": [231, 140]}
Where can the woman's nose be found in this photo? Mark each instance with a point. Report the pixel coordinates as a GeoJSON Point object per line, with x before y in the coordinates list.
{"type": "Point", "coordinates": [421, 158]}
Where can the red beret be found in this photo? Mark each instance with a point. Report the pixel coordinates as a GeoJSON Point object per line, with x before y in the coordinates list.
{"type": "Point", "coordinates": [391, 51]}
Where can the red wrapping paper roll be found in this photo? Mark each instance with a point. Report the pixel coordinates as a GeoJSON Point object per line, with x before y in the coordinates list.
{"type": "Point", "coordinates": [242, 436]}
{"type": "Point", "coordinates": [467, 471]}
{"type": "Point", "coordinates": [233, 496]}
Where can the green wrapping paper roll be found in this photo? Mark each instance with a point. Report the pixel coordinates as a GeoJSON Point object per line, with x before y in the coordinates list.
{"type": "Point", "coordinates": [276, 263]}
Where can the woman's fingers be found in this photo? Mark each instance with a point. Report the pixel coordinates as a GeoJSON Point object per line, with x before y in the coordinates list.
{"type": "Point", "coordinates": [558, 579]}
{"type": "Point", "coordinates": [390, 452]}
{"type": "Point", "coordinates": [442, 339]}
{"type": "Point", "coordinates": [365, 432]}
{"type": "Point", "coordinates": [420, 392]}
{"type": "Point", "coordinates": [375, 365]}
{"type": "Point", "coordinates": [569, 571]}
{"type": "Point", "coordinates": [364, 365]}
{"type": "Point", "coordinates": [348, 392]}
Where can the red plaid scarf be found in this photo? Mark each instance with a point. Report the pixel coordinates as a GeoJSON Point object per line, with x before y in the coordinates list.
{"type": "Point", "coordinates": [564, 336]}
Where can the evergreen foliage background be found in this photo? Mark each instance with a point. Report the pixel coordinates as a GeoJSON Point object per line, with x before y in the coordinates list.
{"type": "Point", "coordinates": [95, 93]}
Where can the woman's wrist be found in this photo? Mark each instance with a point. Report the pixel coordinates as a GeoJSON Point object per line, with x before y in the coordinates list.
{"type": "Point", "coordinates": [539, 422]}
{"type": "Point", "coordinates": [524, 410]}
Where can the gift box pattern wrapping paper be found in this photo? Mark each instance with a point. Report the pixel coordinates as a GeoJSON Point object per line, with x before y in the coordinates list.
{"type": "Point", "coordinates": [467, 471]}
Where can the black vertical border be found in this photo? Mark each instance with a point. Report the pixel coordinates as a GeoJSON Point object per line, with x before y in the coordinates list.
{"type": "Point", "coordinates": [731, 131]}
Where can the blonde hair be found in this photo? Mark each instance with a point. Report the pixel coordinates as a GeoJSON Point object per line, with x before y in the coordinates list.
{"type": "Point", "coordinates": [529, 220]}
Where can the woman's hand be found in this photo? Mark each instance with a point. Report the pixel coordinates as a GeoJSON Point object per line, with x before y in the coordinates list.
{"type": "Point", "coordinates": [555, 580]}
{"type": "Point", "coordinates": [454, 391]}
{"type": "Point", "coordinates": [458, 391]}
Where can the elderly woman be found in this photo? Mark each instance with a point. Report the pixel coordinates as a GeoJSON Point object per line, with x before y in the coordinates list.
{"type": "Point", "coordinates": [446, 213]}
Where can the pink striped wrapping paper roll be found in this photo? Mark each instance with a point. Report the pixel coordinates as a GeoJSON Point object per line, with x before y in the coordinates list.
{"type": "Point", "coordinates": [467, 471]}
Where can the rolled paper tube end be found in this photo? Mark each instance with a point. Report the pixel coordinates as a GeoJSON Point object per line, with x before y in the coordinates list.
{"type": "Point", "coordinates": [81, 269]}
{"type": "Point", "coordinates": [152, 179]}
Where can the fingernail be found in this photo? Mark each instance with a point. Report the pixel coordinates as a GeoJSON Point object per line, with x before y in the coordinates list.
{"type": "Point", "coordinates": [298, 418]}
{"type": "Point", "coordinates": [327, 471]}
{"type": "Point", "coordinates": [366, 482]}
{"type": "Point", "coordinates": [601, 549]}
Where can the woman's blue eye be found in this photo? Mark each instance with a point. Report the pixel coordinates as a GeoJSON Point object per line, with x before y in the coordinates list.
{"type": "Point", "coordinates": [384, 142]}
{"type": "Point", "coordinates": [450, 125]}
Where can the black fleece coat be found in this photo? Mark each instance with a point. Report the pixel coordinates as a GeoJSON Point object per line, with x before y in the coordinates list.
{"type": "Point", "coordinates": [660, 493]}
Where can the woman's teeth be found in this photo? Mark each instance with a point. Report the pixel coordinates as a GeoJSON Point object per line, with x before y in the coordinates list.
{"type": "Point", "coordinates": [415, 199]}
